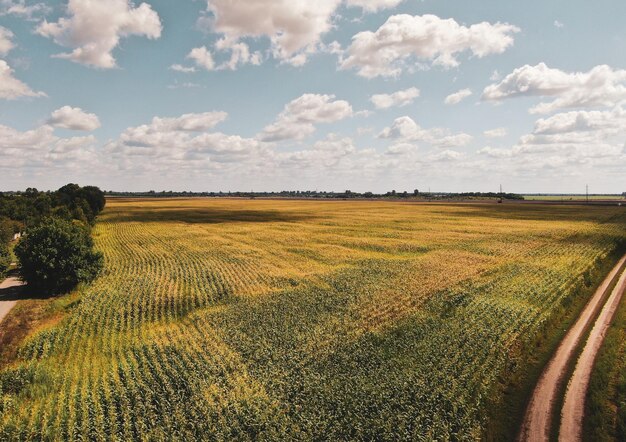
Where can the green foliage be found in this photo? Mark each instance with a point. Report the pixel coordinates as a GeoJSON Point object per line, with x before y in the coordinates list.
{"type": "Point", "coordinates": [69, 202]}
{"type": "Point", "coordinates": [5, 259]}
{"type": "Point", "coordinates": [605, 406]}
{"type": "Point", "coordinates": [57, 255]}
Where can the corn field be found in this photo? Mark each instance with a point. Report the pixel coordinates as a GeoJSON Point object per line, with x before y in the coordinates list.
{"type": "Point", "coordinates": [301, 320]}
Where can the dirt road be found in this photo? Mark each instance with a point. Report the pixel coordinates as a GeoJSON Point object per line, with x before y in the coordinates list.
{"type": "Point", "coordinates": [537, 422]}
{"type": "Point", "coordinates": [9, 289]}
{"type": "Point", "coordinates": [574, 405]}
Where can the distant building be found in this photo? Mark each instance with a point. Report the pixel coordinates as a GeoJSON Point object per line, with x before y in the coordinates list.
{"type": "Point", "coordinates": [16, 236]}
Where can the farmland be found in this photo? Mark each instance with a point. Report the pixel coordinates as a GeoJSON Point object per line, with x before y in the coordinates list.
{"type": "Point", "coordinates": [240, 319]}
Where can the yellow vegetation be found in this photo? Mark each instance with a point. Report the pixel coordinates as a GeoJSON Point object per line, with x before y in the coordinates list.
{"type": "Point", "coordinates": [240, 319]}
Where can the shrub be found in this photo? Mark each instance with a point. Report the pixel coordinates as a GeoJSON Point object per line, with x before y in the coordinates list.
{"type": "Point", "coordinates": [5, 259]}
{"type": "Point", "coordinates": [57, 255]}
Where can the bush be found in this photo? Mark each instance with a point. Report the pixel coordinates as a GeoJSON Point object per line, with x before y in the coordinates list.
{"type": "Point", "coordinates": [5, 259]}
{"type": "Point", "coordinates": [57, 255]}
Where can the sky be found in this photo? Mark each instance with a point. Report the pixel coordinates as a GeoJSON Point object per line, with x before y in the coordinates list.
{"type": "Point", "coordinates": [327, 95]}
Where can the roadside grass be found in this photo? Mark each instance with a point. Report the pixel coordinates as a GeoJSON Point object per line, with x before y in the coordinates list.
{"type": "Point", "coordinates": [28, 317]}
{"type": "Point", "coordinates": [605, 406]}
{"type": "Point", "coordinates": [507, 416]}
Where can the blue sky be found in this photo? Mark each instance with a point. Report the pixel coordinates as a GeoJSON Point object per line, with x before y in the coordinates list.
{"type": "Point", "coordinates": [367, 95]}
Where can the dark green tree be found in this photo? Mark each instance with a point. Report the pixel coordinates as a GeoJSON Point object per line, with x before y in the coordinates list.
{"type": "Point", "coordinates": [57, 255]}
{"type": "Point", "coordinates": [5, 259]}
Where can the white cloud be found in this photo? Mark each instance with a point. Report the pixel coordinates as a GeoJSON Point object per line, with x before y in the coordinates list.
{"type": "Point", "coordinates": [446, 156]}
{"type": "Point", "coordinates": [558, 24]}
{"type": "Point", "coordinates": [401, 149]}
{"type": "Point", "coordinates": [601, 86]}
{"type": "Point", "coordinates": [74, 118]}
{"type": "Point", "coordinates": [181, 144]}
{"type": "Point", "coordinates": [326, 153]}
{"type": "Point", "coordinates": [495, 153]}
{"type": "Point", "coordinates": [457, 97]}
{"type": "Point", "coordinates": [495, 76]}
{"type": "Point", "coordinates": [185, 123]}
{"type": "Point", "coordinates": [239, 54]}
{"type": "Point", "coordinates": [40, 148]}
{"type": "Point", "coordinates": [185, 85]}
{"type": "Point", "coordinates": [405, 39]}
{"type": "Point", "coordinates": [613, 121]}
{"type": "Point", "coordinates": [183, 69]}
{"type": "Point", "coordinates": [6, 41]}
{"type": "Point", "coordinates": [496, 133]}
{"type": "Point", "coordinates": [297, 121]}
{"type": "Point", "coordinates": [568, 141]}
{"type": "Point", "coordinates": [202, 57]}
{"type": "Point", "coordinates": [400, 98]}
{"type": "Point", "coordinates": [11, 88]}
{"type": "Point", "coordinates": [294, 28]}
{"type": "Point", "coordinates": [374, 5]}
{"type": "Point", "coordinates": [21, 9]}
{"type": "Point", "coordinates": [406, 129]}
{"type": "Point", "coordinates": [94, 29]}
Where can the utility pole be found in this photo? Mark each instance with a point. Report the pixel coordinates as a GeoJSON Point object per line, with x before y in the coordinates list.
{"type": "Point", "coordinates": [500, 189]}
{"type": "Point", "coordinates": [587, 193]}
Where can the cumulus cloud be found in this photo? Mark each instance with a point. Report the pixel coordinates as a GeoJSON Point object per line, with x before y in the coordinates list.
{"type": "Point", "coordinates": [568, 140]}
{"type": "Point", "coordinates": [495, 153]}
{"type": "Point", "coordinates": [202, 57]}
{"type": "Point", "coordinates": [326, 153]}
{"type": "Point", "coordinates": [299, 117]}
{"type": "Point", "coordinates": [181, 68]}
{"type": "Point", "coordinates": [6, 41]}
{"type": "Point", "coordinates": [182, 143]}
{"type": "Point", "coordinates": [21, 9]}
{"type": "Point", "coordinates": [94, 29]}
{"type": "Point", "coordinates": [496, 133]}
{"type": "Point", "coordinates": [185, 123]}
{"type": "Point", "coordinates": [583, 121]}
{"type": "Point", "coordinates": [399, 98]}
{"type": "Point", "coordinates": [74, 118]}
{"type": "Point", "coordinates": [11, 88]}
{"type": "Point", "coordinates": [406, 129]}
{"type": "Point", "coordinates": [446, 156]}
{"type": "Point", "coordinates": [240, 54]}
{"type": "Point", "coordinates": [457, 97]}
{"type": "Point", "coordinates": [293, 28]}
{"type": "Point", "coordinates": [404, 39]}
{"type": "Point", "coordinates": [601, 86]}
{"type": "Point", "coordinates": [40, 148]}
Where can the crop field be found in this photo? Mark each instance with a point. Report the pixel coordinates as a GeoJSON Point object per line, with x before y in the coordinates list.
{"type": "Point", "coordinates": [303, 320]}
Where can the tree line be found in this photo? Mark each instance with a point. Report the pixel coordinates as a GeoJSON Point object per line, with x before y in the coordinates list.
{"type": "Point", "coordinates": [56, 252]}
{"type": "Point", "coordinates": [315, 194]}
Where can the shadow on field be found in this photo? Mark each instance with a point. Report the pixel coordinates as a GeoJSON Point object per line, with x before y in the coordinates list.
{"type": "Point", "coordinates": [527, 212]}
{"type": "Point", "coordinates": [20, 292]}
{"type": "Point", "coordinates": [207, 215]}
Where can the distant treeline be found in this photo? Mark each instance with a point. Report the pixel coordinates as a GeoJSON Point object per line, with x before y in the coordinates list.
{"type": "Point", "coordinates": [69, 202]}
{"type": "Point", "coordinates": [320, 195]}
{"type": "Point", "coordinates": [20, 211]}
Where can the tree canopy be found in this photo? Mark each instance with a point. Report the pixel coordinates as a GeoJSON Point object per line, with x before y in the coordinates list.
{"type": "Point", "coordinates": [27, 210]}
{"type": "Point", "coordinates": [57, 255]}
